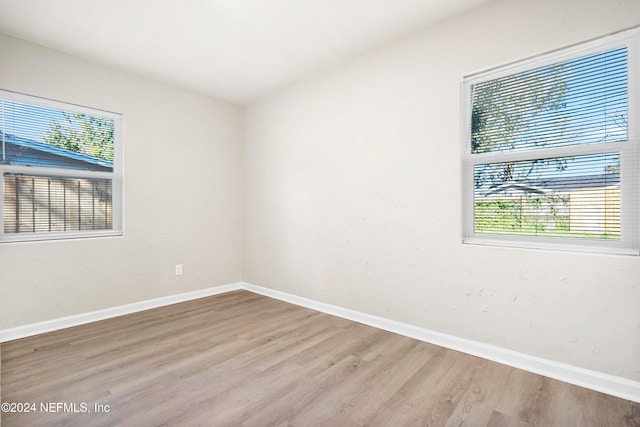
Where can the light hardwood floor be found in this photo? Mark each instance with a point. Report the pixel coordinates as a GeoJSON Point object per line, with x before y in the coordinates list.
{"type": "Point", "coordinates": [242, 359]}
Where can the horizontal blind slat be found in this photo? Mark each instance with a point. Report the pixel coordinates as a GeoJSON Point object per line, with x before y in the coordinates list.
{"type": "Point", "coordinates": [574, 102]}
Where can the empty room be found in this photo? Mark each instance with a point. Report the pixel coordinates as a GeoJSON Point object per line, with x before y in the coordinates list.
{"type": "Point", "coordinates": [320, 213]}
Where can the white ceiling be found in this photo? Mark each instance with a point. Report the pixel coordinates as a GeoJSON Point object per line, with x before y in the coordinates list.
{"type": "Point", "coordinates": [235, 50]}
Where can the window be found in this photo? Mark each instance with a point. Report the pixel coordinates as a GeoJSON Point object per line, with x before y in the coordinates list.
{"type": "Point", "coordinates": [61, 170]}
{"type": "Point", "coordinates": [551, 150]}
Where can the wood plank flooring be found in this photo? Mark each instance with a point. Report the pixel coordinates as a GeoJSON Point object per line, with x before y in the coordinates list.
{"type": "Point", "coordinates": [241, 359]}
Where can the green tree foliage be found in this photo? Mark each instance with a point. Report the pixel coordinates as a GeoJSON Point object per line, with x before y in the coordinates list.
{"type": "Point", "coordinates": [84, 134]}
{"type": "Point", "coordinates": [535, 215]}
{"type": "Point", "coordinates": [504, 114]}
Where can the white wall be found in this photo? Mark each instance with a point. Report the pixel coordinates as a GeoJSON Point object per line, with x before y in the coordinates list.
{"type": "Point", "coordinates": [353, 193]}
{"type": "Point", "coordinates": [182, 185]}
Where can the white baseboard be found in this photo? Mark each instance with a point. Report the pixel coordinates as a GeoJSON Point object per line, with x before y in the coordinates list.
{"type": "Point", "coordinates": [84, 318]}
{"type": "Point", "coordinates": [609, 384]}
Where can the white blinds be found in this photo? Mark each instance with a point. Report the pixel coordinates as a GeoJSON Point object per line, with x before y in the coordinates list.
{"type": "Point", "coordinates": [582, 101]}
{"type": "Point", "coordinates": [35, 135]}
{"type": "Point", "coordinates": [59, 173]}
{"type": "Point", "coordinates": [576, 197]}
{"type": "Point", "coordinates": [35, 204]}
{"type": "Point", "coordinates": [552, 150]}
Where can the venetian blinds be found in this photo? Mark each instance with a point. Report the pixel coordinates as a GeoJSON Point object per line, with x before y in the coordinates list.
{"type": "Point", "coordinates": [43, 136]}
{"type": "Point", "coordinates": [60, 177]}
{"type": "Point", "coordinates": [582, 101]}
{"type": "Point", "coordinates": [551, 149]}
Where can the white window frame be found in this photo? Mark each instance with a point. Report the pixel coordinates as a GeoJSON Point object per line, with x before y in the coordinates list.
{"type": "Point", "coordinates": [116, 176]}
{"type": "Point", "coordinates": [629, 242]}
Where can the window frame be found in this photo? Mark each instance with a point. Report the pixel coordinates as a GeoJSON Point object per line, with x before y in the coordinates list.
{"type": "Point", "coordinates": [116, 175]}
{"type": "Point", "coordinates": [629, 242]}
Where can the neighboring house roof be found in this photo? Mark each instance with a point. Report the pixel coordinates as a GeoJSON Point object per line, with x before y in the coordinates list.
{"type": "Point", "coordinates": [553, 185]}
{"type": "Point", "coordinates": [21, 150]}
{"type": "Point", "coordinates": [510, 187]}
{"type": "Point", "coordinates": [568, 183]}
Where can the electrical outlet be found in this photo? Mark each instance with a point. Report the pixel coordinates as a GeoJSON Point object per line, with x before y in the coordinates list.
{"type": "Point", "coordinates": [178, 269]}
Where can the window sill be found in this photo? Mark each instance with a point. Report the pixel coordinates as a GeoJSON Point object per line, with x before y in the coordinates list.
{"type": "Point", "coordinates": [579, 246]}
{"type": "Point", "coordinates": [38, 237]}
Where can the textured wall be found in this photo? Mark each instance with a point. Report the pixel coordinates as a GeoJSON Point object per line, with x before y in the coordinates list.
{"type": "Point", "coordinates": [353, 196]}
